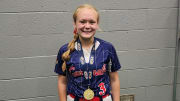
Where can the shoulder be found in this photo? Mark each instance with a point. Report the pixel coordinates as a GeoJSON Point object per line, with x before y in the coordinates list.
{"type": "Point", "coordinates": [63, 48]}
{"type": "Point", "coordinates": [104, 43]}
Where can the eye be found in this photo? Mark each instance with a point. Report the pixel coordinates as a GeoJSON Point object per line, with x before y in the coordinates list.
{"type": "Point", "coordinates": [92, 22]}
{"type": "Point", "coordinates": [82, 21]}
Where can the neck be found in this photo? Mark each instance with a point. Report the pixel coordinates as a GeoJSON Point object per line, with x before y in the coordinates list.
{"type": "Point", "coordinates": [86, 43]}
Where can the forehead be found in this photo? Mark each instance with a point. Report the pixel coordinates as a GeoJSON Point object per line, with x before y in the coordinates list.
{"type": "Point", "coordinates": [87, 13]}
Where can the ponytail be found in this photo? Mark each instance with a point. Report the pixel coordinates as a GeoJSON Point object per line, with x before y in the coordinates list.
{"type": "Point", "coordinates": [71, 48]}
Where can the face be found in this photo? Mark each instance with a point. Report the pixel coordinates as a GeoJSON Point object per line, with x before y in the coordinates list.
{"type": "Point", "coordinates": [86, 23]}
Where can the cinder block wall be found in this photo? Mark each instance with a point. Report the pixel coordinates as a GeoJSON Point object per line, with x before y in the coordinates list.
{"type": "Point", "coordinates": [178, 81]}
{"type": "Point", "coordinates": [178, 76]}
{"type": "Point", "coordinates": [31, 32]}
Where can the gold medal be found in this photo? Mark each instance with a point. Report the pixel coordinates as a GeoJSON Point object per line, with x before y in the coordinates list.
{"type": "Point", "coordinates": [88, 94]}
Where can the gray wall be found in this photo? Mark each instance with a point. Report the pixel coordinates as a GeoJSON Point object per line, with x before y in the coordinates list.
{"type": "Point", "coordinates": [31, 32]}
{"type": "Point", "coordinates": [178, 81]}
{"type": "Point", "coordinates": [178, 73]}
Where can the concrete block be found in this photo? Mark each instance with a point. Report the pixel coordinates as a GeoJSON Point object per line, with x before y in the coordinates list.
{"type": "Point", "coordinates": [159, 93]}
{"type": "Point", "coordinates": [123, 19]}
{"type": "Point", "coordinates": [45, 5]}
{"type": "Point", "coordinates": [162, 3]}
{"type": "Point", "coordinates": [10, 5]}
{"type": "Point", "coordinates": [2, 91]}
{"type": "Point", "coordinates": [137, 19]}
{"type": "Point", "coordinates": [152, 38]}
{"type": "Point", "coordinates": [117, 38]}
{"type": "Point", "coordinates": [118, 4]}
{"type": "Point", "coordinates": [162, 18]}
{"type": "Point", "coordinates": [11, 46]}
{"type": "Point", "coordinates": [123, 57]}
{"type": "Point", "coordinates": [178, 93]}
{"type": "Point", "coordinates": [114, 20]}
{"type": "Point", "coordinates": [8, 23]}
{"type": "Point", "coordinates": [123, 91]}
{"type": "Point", "coordinates": [53, 42]}
{"type": "Point", "coordinates": [38, 5]}
{"type": "Point", "coordinates": [178, 76]}
{"type": "Point", "coordinates": [123, 79]}
{"type": "Point", "coordinates": [35, 23]}
{"type": "Point", "coordinates": [160, 76]}
{"type": "Point", "coordinates": [137, 39]}
{"type": "Point", "coordinates": [34, 45]}
{"type": "Point", "coordinates": [162, 38]}
{"type": "Point", "coordinates": [149, 77]}
{"type": "Point", "coordinates": [11, 69]}
{"type": "Point", "coordinates": [32, 87]}
{"type": "Point", "coordinates": [137, 78]}
{"type": "Point", "coordinates": [160, 58]}
{"type": "Point", "coordinates": [39, 66]}
{"type": "Point", "coordinates": [133, 59]}
{"type": "Point", "coordinates": [45, 23]}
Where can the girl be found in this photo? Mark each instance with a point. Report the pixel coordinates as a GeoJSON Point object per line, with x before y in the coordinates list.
{"type": "Point", "coordinates": [87, 66]}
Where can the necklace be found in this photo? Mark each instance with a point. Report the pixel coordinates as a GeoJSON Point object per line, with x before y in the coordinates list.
{"type": "Point", "coordinates": [88, 93]}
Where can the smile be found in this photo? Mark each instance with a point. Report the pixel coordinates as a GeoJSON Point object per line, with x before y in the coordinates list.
{"type": "Point", "coordinates": [87, 31]}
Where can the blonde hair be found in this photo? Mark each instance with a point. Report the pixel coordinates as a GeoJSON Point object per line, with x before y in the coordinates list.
{"type": "Point", "coordinates": [85, 6]}
{"type": "Point", "coordinates": [71, 45]}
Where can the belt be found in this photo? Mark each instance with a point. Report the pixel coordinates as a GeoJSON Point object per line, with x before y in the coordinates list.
{"type": "Point", "coordinates": [96, 98]}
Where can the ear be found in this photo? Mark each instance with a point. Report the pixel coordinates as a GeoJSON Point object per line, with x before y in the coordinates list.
{"type": "Point", "coordinates": [75, 31]}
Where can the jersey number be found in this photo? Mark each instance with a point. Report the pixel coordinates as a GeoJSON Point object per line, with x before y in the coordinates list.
{"type": "Point", "coordinates": [102, 88]}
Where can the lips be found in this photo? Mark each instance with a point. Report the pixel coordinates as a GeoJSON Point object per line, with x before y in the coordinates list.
{"type": "Point", "coordinates": [87, 31]}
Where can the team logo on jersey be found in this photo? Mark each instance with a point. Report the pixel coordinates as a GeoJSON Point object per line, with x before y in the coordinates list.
{"type": "Point", "coordinates": [86, 74]}
{"type": "Point", "coordinates": [100, 71]}
{"type": "Point", "coordinates": [82, 60]}
{"type": "Point", "coordinates": [77, 73]}
{"type": "Point", "coordinates": [72, 68]}
{"type": "Point", "coordinates": [92, 60]}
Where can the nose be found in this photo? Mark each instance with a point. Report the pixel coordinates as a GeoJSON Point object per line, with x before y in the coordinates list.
{"type": "Point", "coordinates": [87, 25]}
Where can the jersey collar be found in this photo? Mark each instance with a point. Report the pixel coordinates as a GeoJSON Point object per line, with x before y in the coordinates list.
{"type": "Point", "coordinates": [97, 43]}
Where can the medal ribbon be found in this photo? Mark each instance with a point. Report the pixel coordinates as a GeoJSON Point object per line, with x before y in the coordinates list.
{"type": "Point", "coordinates": [88, 93]}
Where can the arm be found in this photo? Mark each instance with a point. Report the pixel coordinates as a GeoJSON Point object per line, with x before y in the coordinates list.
{"type": "Point", "coordinates": [115, 84]}
{"type": "Point", "coordinates": [62, 83]}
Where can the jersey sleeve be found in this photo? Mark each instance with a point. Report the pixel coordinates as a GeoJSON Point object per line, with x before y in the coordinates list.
{"type": "Point", "coordinates": [59, 62]}
{"type": "Point", "coordinates": [114, 61]}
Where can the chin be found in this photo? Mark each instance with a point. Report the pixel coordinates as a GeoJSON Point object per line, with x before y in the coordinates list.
{"type": "Point", "coordinates": [87, 36]}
